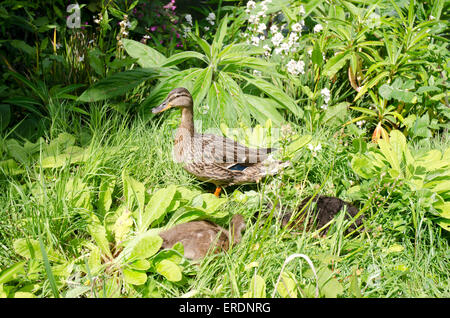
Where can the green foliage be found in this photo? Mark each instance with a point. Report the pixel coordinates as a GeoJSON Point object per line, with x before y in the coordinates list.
{"type": "Point", "coordinates": [424, 173]}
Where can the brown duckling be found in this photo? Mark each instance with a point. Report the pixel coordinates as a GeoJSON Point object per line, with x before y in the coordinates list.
{"type": "Point", "coordinates": [326, 209]}
{"type": "Point", "coordinates": [199, 237]}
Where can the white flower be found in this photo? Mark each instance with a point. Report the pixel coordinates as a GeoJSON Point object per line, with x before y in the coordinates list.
{"type": "Point", "coordinates": [315, 149]}
{"type": "Point", "coordinates": [301, 10]}
{"type": "Point", "coordinates": [81, 58]}
{"type": "Point", "coordinates": [360, 123]}
{"type": "Point", "coordinates": [309, 51]}
{"type": "Point", "coordinates": [326, 95]}
{"type": "Point", "coordinates": [211, 18]}
{"type": "Point", "coordinates": [274, 28]}
{"type": "Point", "coordinates": [125, 33]}
{"type": "Point", "coordinates": [285, 47]}
{"type": "Point", "coordinates": [256, 73]}
{"type": "Point", "coordinates": [262, 37]}
{"type": "Point", "coordinates": [253, 19]}
{"type": "Point", "coordinates": [97, 21]}
{"type": "Point", "coordinates": [267, 50]}
{"type": "Point", "coordinates": [206, 28]}
{"type": "Point", "coordinates": [293, 38]}
{"type": "Point", "coordinates": [188, 18]}
{"type": "Point", "coordinates": [277, 39]}
{"type": "Point", "coordinates": [432, 18]}
{"type": "Point", "coordinates": [318, 27]}
{"type": "Point", "coordinates": [251, 5]}
{"type": "Point", "coordinates": [147, 36]}
{"type": "Point", "coordinates": [261, 28]}
{"type": "Point", "coordinates": [324, 106]}
{"type": "Point", "coordinates": [255, 40]}
{"type": "Point", "coordinates": [297, 27]}
{"type": "Point", "coordinates": [295, 68]}
{"type": "Point", "coordinates": [186, 31]}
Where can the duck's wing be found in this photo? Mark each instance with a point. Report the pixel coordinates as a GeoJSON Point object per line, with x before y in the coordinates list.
{"type": "Point", "coordinates": [227, 152]}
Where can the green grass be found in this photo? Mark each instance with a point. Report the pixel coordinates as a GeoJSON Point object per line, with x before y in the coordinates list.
{"type": "Point", "coordinates": [36, 203]}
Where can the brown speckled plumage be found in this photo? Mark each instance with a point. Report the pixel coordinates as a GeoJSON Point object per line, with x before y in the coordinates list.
{"type": "Point", "coordinates": [326, 208]}
{"type": "Point", "coordinates": [200, 237]}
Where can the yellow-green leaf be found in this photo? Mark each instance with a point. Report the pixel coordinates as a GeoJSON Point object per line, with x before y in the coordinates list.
{"type": "Point", "coordinates": [169, 270]}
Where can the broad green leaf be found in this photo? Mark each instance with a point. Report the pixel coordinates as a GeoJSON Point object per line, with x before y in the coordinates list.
{"type": "Point", "coordinates": [134, 277]}
{"type": "Point", "coordinates": [335, 63]}
{"type": "Point", "coordinates": [169, 270]}
{"type": "Point", "coordinates": [395, 248]}
{"type": "Point", "coordinates": [444, 208]}
{"type": "Point", "coordinates": [202, 85]}
{"type": "Point", "coordinates": [328, 286]}
{"type": "Point", "coordinates": [122, 226]}
{"type": "Point", "coordinates": [316, 55]}
{"type": "Point", "coordinates": [157, 207]}
{"type": "Point", "coordinates": [120, 83]}
{"type": "Point", "coordinates": [287, 285]}
{"type": "Point", "coordinates": [55, 161]}
{"type": "Point", "coordinates": [146, 55]}
{"type": "Point", "coordinates": [371, 83]}
{"type": "Point", "coordinates": [277, 94]}
{"type": "Point", "coordinates": [10, 273]}
{"type": "Point", "coordinates": [210, 203]}
{"type": "Point", "coordinates": [444, 223]}
{"type": "Point", "coordinates": [143, 246]}
{"type": "Point", "coordinates": [140, 264]}
{"type": "Point", "coordinates": [298, 143]}
{"type": "Point", "coordinates": [94, 261]}
{"type": "Point", "coordinates": [264, 108]}
{"type": "Point", "coordinates": [105, 194]}
{"type": "Point", "coordinates": [98, 233]}
{"type": "Point", "coordinates": [362, 166]}
{"type": "Point", "coordinates": [134, 192]}
{"type": "Point", "coordinates": [19, 294]}
{"type": "Point", "coordinates": [10, 167]}
{"type": "Point", "coordinates": [30, 249]}
{"type": "Point", "coordinates": [257, 288]}
{"type": "Point", "coordinates": [181, 57]}
{"type": "Point", "coordinates": [354, 285]}
{"type": "Point", "coordinates": [336, 114]}
{"type": "Point", "coordinates": [389, 154]}
{"type": "Point", "coordinates": [220, 34]}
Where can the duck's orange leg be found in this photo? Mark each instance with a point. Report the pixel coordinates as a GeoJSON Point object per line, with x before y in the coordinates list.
{"type": "Point", "coordinates": [217, 192]}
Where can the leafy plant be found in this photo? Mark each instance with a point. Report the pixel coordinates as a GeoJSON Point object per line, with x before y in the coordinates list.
{"type": "Point", "coordinates": [219, 82]}
{"type": "Point", "coordinates": [393, 161]}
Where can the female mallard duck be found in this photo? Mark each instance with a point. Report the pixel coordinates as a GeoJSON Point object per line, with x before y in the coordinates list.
{"type": "Point", "coordinates": [200, 237]}
{"type": "Point", "coordinates": [212, 158]}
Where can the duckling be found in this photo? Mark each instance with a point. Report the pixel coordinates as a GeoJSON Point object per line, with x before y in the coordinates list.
{"type": "Point", "coordinates": [326, 209]}
{"type": "Point", "coordinates": [200, 237]}
{"type": "Point", "coordinates": [216, 159]}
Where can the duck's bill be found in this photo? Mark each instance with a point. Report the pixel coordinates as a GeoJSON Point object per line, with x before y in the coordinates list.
{"type": "Point", "coordinates": [164, 106]}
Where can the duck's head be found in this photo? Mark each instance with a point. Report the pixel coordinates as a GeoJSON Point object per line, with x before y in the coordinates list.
{"type": "Point", "coordinates": [237, 225]}
{"type": "Point", "coordinates": [178, 97]}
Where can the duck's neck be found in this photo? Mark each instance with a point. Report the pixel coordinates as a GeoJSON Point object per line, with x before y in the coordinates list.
{"type": "Point", "coordinates": [236, 234]}
{"type": "Point", "coordinates": [187, 122]}
{"type": "Point", "coordinates": [184, 136]}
